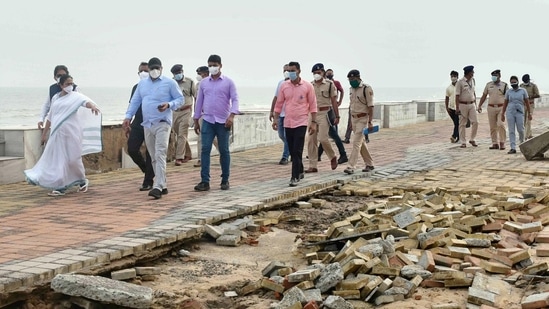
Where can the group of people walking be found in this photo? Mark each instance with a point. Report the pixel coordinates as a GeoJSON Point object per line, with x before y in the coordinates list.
{"type": "Point", "coordinates": [514, 104]}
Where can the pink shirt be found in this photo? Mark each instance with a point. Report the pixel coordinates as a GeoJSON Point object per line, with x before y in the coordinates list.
{"type": "Point", "coordinates": [298, 100]}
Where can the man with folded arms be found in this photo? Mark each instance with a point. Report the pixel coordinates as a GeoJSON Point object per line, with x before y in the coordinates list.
{"type": "Point", "coordinates": [495, 90]}
{"type": "Point", "coordinates": [465, 105]}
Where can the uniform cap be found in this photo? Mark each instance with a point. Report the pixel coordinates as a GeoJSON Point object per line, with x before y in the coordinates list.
{"type": "Point", "coordinates": [177, 68]}
{"type": "Point", "coordinates": [468, 69]}
{"type": "Point", "coordinates": [353, 73]}
{"type": "Point", "coordinates": [202, 69]}
{"type": "Point", "coordinates": [318, 66]}
{"type": "Point", "coordinates": [526, 78]}
{"type": "Point", "coordinates": [496, 72]}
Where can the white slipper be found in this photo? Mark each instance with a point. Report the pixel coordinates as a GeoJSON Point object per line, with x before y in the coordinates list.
{"type": "Point", "coordinates": [84, 188]}
{"type": "Point", "coordinates": [56, 193]}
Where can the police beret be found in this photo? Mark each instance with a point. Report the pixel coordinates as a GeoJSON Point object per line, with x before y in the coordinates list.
{"type": "Point", "coordinates": [155, 62]}
{"type": "Point", "coordinates": [353, 73]}
{"type": "Point", "coordinates": [468, 69]}
{"type": "Point", "coordinates": [202, 69]}
{"type": "Point", "coordinates": [318, 66]}
{"type": "Point", "coordinates": [177, 68]}
{"type": "Point", "coordinates": [496, 72]}
{"type": "Point", "coordinates": [526, 78]}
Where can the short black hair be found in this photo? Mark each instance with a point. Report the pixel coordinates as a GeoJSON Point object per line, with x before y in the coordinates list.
{"type": "Point", "coordinates": [214, 58]}
{"type": "Point", "coordinates": [294, 64]}
{"type": "Point", "coordinates": [63, 78]}
{"type": "Point", "coordinates": [454, 73]}
{"type": "Point", "coordinates": [59, 68]}
{"type": "Point", "coordinates": [513, 77]}
{"type": "Point", "coordinates": [143, 63]}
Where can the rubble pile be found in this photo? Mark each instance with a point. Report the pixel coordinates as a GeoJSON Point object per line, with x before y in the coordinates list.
{"type": "Point", "coordinates": [420, 237]}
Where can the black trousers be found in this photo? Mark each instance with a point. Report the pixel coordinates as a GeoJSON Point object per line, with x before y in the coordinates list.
{"type": "Point", "coordinates": [455, 119]}
{"type": "Point", "coordinates": [332, 132]}
{"type": "Point", "coordinates": [135, 140]}
{"type": "Point", "coordinates": [295, 137]}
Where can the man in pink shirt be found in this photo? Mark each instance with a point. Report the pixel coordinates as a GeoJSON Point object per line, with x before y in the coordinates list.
{"type": "Point", "coordinates": [299, 100]}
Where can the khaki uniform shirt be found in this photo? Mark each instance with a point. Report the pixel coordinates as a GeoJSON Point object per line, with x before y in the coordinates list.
{"type": "Point", "coordinates": [496, 92]}
{"type": "Point", "coordinates": [532, 90]}
{"type": "Point", "coordinates": [466, 90]}
{"type": "Point", "coordinates": [188, 87]}
{"type": "Point", "coordinates": [359, 102]}
{"type": "Point", "coordinates": [324, 92]}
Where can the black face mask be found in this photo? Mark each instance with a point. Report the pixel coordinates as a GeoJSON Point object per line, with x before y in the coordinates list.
{"type": "Point", "coordinates": [514, 85]}
{"type": "Point", "coordinates": [329, 76]}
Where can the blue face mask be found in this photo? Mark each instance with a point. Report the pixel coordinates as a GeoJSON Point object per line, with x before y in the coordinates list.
{"type": "Point", "coordinates": [494, 78]}
{"type": "Point", "coordinates": [178, 76]}
{"type": "Point", "coordinates": [292, 75]}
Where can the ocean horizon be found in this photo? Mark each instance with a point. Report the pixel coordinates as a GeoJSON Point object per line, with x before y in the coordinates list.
{"type": "Point", "coordinates": [21, 107]}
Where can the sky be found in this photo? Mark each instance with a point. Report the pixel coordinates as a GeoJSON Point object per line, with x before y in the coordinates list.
{"type": "Point", "coordinates": [393, 43]}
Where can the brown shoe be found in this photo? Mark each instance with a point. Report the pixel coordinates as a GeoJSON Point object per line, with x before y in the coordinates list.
{"type": "Point", "coordinates": [501, 146]}
{"type": "Point", "coordinates": [311, 170]}
{"type": "Point", "coordinates": [178, 162]}
{"type": "Point", "coordinates": [463, 146]}
{"type": "Point", "coordinates": [333, 163]}
{"type": "Point", "coordinates": [186, 159]}
{"type": "Point", "coordinates": [494, 146]}
{"type": "Point", "coordinates": [473, 143]}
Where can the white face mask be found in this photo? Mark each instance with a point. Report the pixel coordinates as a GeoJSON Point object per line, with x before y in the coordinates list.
{"type": "Point", "coordinates": [155, 73]}
{"type": "Point", "coordinates": [286, 74]}
{"type": "Point", "coordinates": [198, 78]}
{"type": "Point", "coordinates": [454, 79]}
{"type": "Point", "coordinates": [143, 75]}
{"type": "Point", "coordinates": [317, 77]}
{"type": "Point", "coordinates": [68, 89]}
{"type": "Point", "coordinates": [213, 70]}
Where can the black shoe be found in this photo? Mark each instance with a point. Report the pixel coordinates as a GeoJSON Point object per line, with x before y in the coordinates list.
{"type": "Point", "coordinates": [202, 186]}
{"type": "Point", "coordinates": [301, 176]}
{"type": "Point", "coordinates": [346, 141]}
{"type": "Point", "coordinates": [367, 138]}
{"type": "Point", "coordinates": [165, 191]}
{"type": "Point", "coordinates": [156, 193]}
{"type": "Point", "coordinates": [145, 188]}
{"type": "Point", "coordinates": [225, 185]}
{"type": "Point", "coordinates": [512, 151]}
{"type": "Point", "coordinates": [368, 168]}
{"type": "Point", "coordinates": [342, 159]}
{"type": "Point", "coordinates": [293, 182]}
{"type": "Point", "coordinates": [283, 161]}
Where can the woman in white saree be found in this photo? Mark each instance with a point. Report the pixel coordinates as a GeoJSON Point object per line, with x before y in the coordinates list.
{"type": "Point", "coordinates": [74, 132]}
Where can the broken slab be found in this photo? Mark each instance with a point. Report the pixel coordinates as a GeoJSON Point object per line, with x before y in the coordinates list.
{"type": "Point", "coordinates": [535, 147]}
{"type": "Point", "coordinates": [103, 290]}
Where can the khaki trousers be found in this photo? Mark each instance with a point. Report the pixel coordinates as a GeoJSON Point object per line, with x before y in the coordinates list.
{"type": "Point", "coordinates": [180, 127]}
{"type": "Point", "coordinates": [467, 111]}
{"type": "Point", "coordinates": [321, 135]}
{"type": "Point", "coordinates": [359, 144]}
{"type": "Point", "coordinates": [527, 123]}
{"type": "Point", "coordinates": [497, 127]}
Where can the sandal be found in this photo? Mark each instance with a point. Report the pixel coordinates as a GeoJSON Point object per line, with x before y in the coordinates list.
{"type": "Point", "coordinates": [84, 187]}
{"type": "Point", "coordinates": [56, 193]}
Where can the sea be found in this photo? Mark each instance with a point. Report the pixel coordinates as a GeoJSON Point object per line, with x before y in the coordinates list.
{"type": "Point", "coordinates": [20, 107]}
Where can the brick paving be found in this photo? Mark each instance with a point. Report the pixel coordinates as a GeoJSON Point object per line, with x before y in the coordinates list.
{"type": "Point", "coordinates": [41, 236]}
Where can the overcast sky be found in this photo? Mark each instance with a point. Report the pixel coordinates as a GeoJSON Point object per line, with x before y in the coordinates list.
{"type": "Point", "coordinates": [394, 43]}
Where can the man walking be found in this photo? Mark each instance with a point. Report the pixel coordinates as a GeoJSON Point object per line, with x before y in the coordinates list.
{"type": "Point", "coordinates": [182, 116]}
{"type": "Point", "coordinates": [495, 90]}
{"type": "Point", "coordinates": [533, 94]}
{"type": "Point", "coordinates": [450, 102]}
{"type": "Point", "coordinates": [325, 99]}
{"type": "Point", "coordinates": [362, 113]}
{"type": "Point", "coordinates": [281, 133]}
{"type": "Point", "coordinates": [299, 100]}
{"type": "Point", "coordinates": [158, 96]}
{"type": "Point", "coordinates": [465, 105]}
{"type": "Point", "coordinates": [217, 104]}
{"type": "Point", "coordinates": [136, 136]}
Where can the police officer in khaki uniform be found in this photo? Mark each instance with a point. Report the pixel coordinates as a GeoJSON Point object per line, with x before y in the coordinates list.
{"type": "Point", "coordinates": [465, 105]}
{"type": "Point", "coordinates": [533, 94]}
{"type": "Point", "coordinates": [362, 112]}
{"type": "Point", "coordinates": [326, 93]}
{"type": "Point", "coordinates": [182, 116]}
{"type": "Point", "coordinates": [495, 90]}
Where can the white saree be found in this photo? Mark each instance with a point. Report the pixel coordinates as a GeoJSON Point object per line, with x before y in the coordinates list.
{"type": "Point", "coordinates": [75, 131]}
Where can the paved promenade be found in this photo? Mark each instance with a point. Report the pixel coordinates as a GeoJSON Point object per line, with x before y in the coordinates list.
{"type": "Point", "coordinates": [41, 236]}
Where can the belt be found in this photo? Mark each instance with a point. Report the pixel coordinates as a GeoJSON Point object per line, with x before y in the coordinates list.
{"type": "Point", "coordinates": [184, 108]}
{"type": "Point", "coordinates": [495, 105]}
{"type": "Point", "coordinates": [471, 102]}
{"type": "Point", "coordinates": [324, 108]}
{"type": "Point", "coordinates": [360, 115]}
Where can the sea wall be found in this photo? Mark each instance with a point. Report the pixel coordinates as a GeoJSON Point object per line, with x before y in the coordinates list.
{"type": "Point", "coordinates": [20, 148]}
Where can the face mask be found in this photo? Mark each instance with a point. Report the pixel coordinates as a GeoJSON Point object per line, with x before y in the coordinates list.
{"type": "Point", "coordinates": [329, 77]}
{"type": "Point", "coordinates": [286, 74]}
{"type": "Point", "coordinates": [198, 78]}
{"type": "Point", "coordinates": [317, 77]}
{"type": "Point", "coordinates": [213, 70]}
{"type": "Point", "coordinates": [178, 76]}
{"type": "Point", "coordinates": [454, 79]}
{"type": "Point", "coordinates": [494, 78]}
{"type": "Point", "coordinates": [155, 73]}
{"type": "Point", "coordinates": [292, 75]}
{"type": "Point", "coordinates": [68, 89]}
{"type": "Point", "coordinates": [354, 83]}
{"type": "Point", "coordinates": [143, 75]}
{"type": "Point", "coordinates": [526, 84]}
{"type": "Point", "coordinates": [514, 85]}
